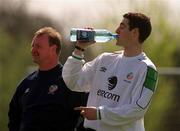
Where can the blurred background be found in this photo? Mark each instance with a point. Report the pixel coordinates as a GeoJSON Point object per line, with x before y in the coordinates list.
{"type": "Point", "coordinates": [19, 19]}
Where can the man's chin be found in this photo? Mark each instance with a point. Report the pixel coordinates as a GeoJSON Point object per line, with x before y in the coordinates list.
{"type": "Point", "coordinates": [35, 61]}
{"type": "Point", "coordinates": [118, 44]}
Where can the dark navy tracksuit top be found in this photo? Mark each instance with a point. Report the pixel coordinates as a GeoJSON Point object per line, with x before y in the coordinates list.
{"type": "Point", "coordinates": [42, 102]}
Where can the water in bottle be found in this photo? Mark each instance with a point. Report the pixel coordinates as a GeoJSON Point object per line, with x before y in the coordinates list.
{"type": "Point", "coordinates": [98, 35]}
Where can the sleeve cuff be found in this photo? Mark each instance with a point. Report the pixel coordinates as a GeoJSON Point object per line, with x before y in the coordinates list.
{"type": "Point", "coordinates": [99, 112]}
{"type": "Point", "coordinates": [76, 60]}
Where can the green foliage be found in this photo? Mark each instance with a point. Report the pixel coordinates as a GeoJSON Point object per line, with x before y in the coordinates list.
{"type": "Point", "coordinates": [160, 105]}
{"type": "Point", "coordinates": [162, 43]}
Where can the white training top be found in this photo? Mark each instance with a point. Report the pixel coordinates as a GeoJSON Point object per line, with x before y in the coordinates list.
{"type": "Point", "coordinates": [121, 87]}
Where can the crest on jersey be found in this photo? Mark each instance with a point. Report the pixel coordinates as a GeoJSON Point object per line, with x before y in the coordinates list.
{"type": "Point", "coordinates": [130, 76]}
{"type": "Point", "coordinates": [52, 89]}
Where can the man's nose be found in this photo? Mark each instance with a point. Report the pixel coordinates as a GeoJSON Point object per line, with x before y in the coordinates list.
{"type": "Point", "coordinates": [117, 30]}
{"type": "Point", "coordinates": [33, 49]}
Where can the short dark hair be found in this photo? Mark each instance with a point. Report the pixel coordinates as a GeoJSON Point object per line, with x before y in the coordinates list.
{"type": "Point", "coordinates": [54, 37]}
{"type": "Point", "coordinates": [140, 21]}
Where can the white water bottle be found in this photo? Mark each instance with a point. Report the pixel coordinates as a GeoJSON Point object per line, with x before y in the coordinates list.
{"type": "Point", "coordinates": [98, 35]}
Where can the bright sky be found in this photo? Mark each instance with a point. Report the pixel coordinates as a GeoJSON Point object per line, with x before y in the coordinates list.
{"type": "Point", "coordinates": [77, 13]}
{"type": "Point", "coordinates": [80, 13]}
{"type": "Point", "coordinates": [82, 8]}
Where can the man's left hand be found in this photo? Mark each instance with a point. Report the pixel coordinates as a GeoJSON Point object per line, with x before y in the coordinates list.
{"type": "Point", "coordinates": [89, 113]}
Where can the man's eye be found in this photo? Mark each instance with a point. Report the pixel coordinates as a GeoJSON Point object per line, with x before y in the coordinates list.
{"type": "Point", "coordinates": [122, 27]}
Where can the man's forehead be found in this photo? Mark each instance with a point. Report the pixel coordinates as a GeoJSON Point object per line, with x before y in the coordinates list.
{"type": "Point", "coordinates": [39, 39]}
{"type": "Point", "coordinates": [44, 36]}
{"type": "Point", "coordinates": [124, 22]}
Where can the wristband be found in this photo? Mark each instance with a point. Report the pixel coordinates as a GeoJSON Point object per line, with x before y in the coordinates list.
{"type": "Point", "coordinates": [79, 48]}
{"type": "Point", "coordinates": [77, 56]}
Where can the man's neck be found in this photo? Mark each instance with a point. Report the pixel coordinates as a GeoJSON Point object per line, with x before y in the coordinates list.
{"type": "Point", "coordinates": [132, 51]}
{"type": "Point", "coordinates": [48, 66]}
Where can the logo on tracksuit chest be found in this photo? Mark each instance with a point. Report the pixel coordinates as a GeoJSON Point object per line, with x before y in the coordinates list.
{"type": "Point", "coordinates": [108, 94]}
{"type": "Point", "coordinates": [52, 89]}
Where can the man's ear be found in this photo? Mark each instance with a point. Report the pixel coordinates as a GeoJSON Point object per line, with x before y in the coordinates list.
{"type": "Point", "coordinates": [135, 33]}
{"type": "Point", "coordinates": [54, 47]}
